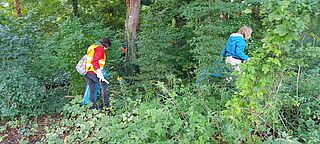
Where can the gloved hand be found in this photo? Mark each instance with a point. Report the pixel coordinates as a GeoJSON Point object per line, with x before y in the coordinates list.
{"type": "Point", "coordinates": [100, 76]}
{"type": "Point", "coordinates": [247, 60]}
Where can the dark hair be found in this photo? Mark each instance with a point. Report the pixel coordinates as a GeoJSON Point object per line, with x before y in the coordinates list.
{"type": "Point", "coordinates": [105, 42]}
{"type": "Point", "coordinates": [124, 45]}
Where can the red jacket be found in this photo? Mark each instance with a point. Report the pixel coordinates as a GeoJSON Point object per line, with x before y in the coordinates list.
{"type": "Point", "coordinates": [98, 55]}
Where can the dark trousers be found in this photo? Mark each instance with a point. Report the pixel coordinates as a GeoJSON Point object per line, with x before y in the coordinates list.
{"type": "Point", "coordinates": [92, 80]}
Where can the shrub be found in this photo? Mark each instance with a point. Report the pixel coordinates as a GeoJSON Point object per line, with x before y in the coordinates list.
{"type": "Point", "coordinates": [177, 113]}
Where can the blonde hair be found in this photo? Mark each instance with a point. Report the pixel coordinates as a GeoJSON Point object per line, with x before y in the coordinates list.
{"type": "Point", "coordinates": [245, 31]}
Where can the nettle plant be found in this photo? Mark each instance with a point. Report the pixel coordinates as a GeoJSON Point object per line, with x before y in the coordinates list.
{"type": "Point", "coordinates": [253, 112]}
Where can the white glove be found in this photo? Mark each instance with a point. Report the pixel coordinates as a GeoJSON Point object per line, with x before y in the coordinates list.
{"type": "Point", "coordinates": [248, 59]}
{"type": "Point", "coordinates": [100, 76]}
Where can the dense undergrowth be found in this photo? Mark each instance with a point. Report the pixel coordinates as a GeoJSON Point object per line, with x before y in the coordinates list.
{"type": "Point", "coordinates": [171, 98]}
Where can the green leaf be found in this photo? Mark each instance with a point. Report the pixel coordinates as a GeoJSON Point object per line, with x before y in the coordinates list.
{"type": "Point", "coordinates": [277, 17]}
{"type": "Point", "coordinates": [281, 30]}
{"type": "Point", "coordinates": [158, 129]}
{"type": "Point", "coordinates": [2, 128]}
{"type": "Point", "coordinates": [177, 126]}
{"type": "Point", "coordinates": [277, 52]}
{"type": "Point", "coordinates": [265, 68]}
{"type": "Point", "coordinates": [247, 11]}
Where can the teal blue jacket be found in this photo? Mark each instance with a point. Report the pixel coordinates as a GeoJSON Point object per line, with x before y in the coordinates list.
{"type": "Point", "coordinates": [235, 47]}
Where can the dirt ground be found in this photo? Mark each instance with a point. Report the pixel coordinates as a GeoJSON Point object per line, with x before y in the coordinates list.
{"type": "Point", "coordinates": [32, 132]}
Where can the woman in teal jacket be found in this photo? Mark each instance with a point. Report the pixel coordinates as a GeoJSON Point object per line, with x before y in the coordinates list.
{"type": "Point", "coordinates": [235, 46]}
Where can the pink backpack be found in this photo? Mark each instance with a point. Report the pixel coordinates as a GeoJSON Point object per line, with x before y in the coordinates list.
{"type": "Point", "coordinates": [81, 66]}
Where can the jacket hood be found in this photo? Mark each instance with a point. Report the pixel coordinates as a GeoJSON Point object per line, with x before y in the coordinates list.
{"type": "Point", "coordinates": [236, 37]}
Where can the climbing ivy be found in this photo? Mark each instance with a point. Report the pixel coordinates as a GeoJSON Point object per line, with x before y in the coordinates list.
{"type": "Point", "coordinates": [254, 111]}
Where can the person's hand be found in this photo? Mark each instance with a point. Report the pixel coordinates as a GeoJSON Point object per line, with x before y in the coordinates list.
{"type": "Point", "coordinates": [100, 76]}
{"type": "Point", "coordinates": [247, 59]}
{"type": "Point", "coordinates": [104, 80]}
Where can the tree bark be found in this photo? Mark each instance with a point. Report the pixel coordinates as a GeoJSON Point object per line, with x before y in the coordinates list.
{"type": "Point", "coordinates": [17, 5]}
{"type": "Point", "coordinates": [131, 26]}
{"type": "Point", "coordinates": [75, 8]}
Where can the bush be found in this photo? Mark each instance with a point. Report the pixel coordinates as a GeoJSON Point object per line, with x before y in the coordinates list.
{"type": "Point", "coordinates": [26, 66]}
{"type": "Point", "coordinates": [20, 94]}
{"type": "Point", "coordinates": [177, 113]}
{"type": "Point", "coordinates": [301, 105]}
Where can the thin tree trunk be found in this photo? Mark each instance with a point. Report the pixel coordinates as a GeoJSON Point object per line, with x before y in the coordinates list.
{"type": "Point", "coordinates": [17, 5]}
{"type": "Point", "coordinates": [131, 26]}
{"type": "Point", "coordinates": [255, 12]}
{"type": "Point", "coordinates": [75, 8]}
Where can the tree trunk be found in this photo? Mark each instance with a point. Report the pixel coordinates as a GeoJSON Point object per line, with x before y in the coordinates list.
{"type": "Point", "coordinates": [131, 26]}
{"type": "Point", "coordinates": [17, 5]}
{"type": "Point", "coordinates": [75, 8]}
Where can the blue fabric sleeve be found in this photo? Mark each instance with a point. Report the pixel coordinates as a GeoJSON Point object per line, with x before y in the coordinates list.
{"type": "Point", "coordinates": [240, 47]}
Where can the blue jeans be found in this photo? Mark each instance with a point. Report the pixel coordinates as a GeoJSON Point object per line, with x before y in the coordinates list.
{"type": "Point", "coordinates": [92, 80]}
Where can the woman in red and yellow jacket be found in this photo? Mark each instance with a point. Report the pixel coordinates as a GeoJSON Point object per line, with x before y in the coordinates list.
{"type": "Point", "coordinates": [95, 63]}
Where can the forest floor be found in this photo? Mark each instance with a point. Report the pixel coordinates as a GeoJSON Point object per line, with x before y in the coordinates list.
{"type": "Point", "coordinates": [30, 132]}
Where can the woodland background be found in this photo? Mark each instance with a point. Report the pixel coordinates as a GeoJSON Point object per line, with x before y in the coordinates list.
{"type": "Point", "coordinates": [163, 93]}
